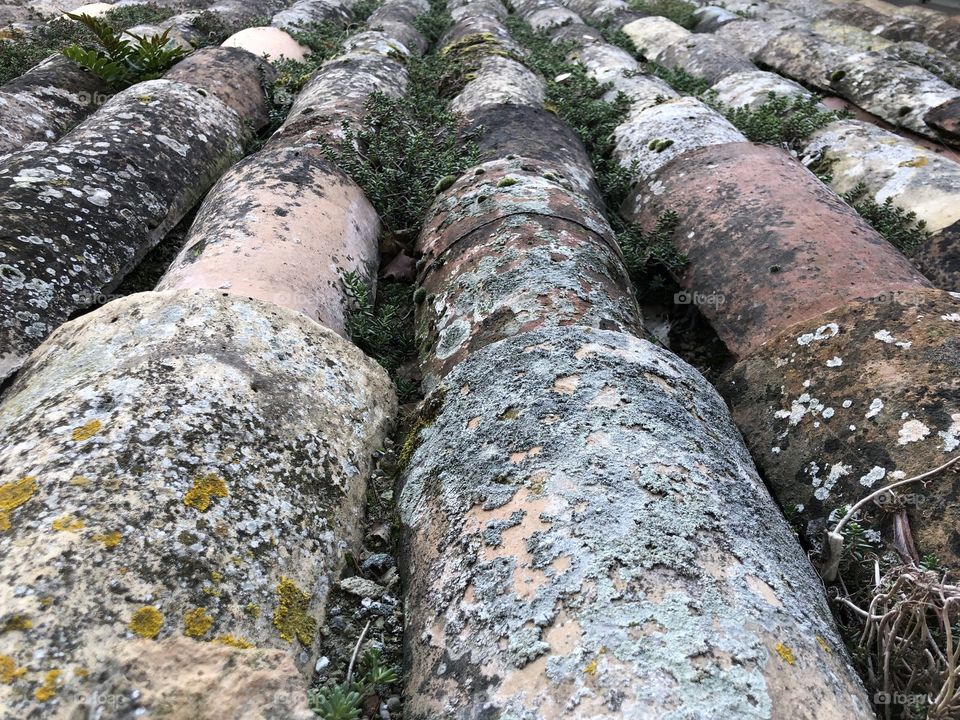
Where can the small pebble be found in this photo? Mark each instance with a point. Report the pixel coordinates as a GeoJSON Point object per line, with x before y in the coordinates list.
{"type": "Point", "coordinates": [377, 563]}
{"type": "Point", "coordinates": [357, 585]}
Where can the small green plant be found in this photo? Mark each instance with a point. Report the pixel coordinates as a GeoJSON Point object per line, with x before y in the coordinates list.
{"type": "Point", "coordinates": [20, 51]}
{"type": "Point", "coordinates": [899, 227]}
{"type": "Point", "coordinates": [324, 40]}
{"type": "Point", "coordinates": [119, 62]}
{"type": "Point", "coordinates": [404, 146]}
{"type": "Point", "coordinates": [127, 16]}
{"type": "Point", "coordinates": [679, 79]}
{"type": "Point", "coordinates": [211, 28]}
{"type": "Point", "coordinates": [343, 700]}
{"type": "Point", "coordinates": [677, 10]}
{"type": "Point", "coordinates": [945, 72]}
{"type": "Point", "coordinates": [382, 329]}
{"type": "Point", "coordinates": [781, 120]}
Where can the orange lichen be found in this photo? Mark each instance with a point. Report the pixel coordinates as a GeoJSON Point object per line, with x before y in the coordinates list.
{"type": "Point", "coordinates": [290, 618]}
{"type": "Point", "coordinates": [785, 653]}
{"type": "Point", "coordinates": [9, 670]}
{"type": "Point", "coordinates": [233, 641]}
{"type": "Point", "coordinates": [196, 623]}
{"type": "Point", "coordinates": [109, 540]}
{"type": "Point", "coordinates": [146, 622]}
{"type": "Point", "coordinates": [49, 688]}
{"type": "Point", "coordinates": [67, 523]}
{"type": "Point", "coordinates": [85, 432]}
{"type": "Point", "coordinates": [205, 488]}
{"type": "Point", "coordinates": [13, 495]}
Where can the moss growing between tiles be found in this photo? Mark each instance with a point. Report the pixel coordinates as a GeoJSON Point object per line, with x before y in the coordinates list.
{"type": "Point", "coordinates": [578, 100]}
{"type": "Point", "coordinates": [677, 10]}
{"type": "Point", "coordinates": [383, 329]}
{"type": "Point", "coordinates": [781, 120]}
{"type": "Point", "coordinates": [679, 79]}
{"type": "Point", "coordinates": [899, 227]}
{"type": "Point", "coordinates": [324, 40]}
{"type": "Point", "coordinates": [410, 146]}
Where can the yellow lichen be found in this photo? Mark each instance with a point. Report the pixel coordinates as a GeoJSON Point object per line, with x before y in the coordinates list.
{"type": "Point", "coordinates": [16, 623]}
{"type": "Point", "coordinates": [233, 641]}
{"type": "Point", "coordinates": [252, 609]}
{"type": "Point", "coordinates": [205, 488]}
{"type": "Point", "coordinates": [13, 495]}
{"type": "Point", "coordinates": [85, 432]}
{"type": "Point", "coordinates": [146, 622]}
{"type": "Point", "coordinates": [215, 576]}
{"type": "Point", "coordinates": [9, 670]}
{"type": "Point", "coordinates": [823, 644]}
{"type": "Point", "coordinates": [67, 523]}
{"type": "Point", "coordinates": [785, 653]}
{"type": "Point", "coordinates": [919, 161]}
{"type": "Point", "coordinates": [81, 672]}
{"type": "Point", "coordinates": [109, 540]}
{"type": "Point", "coordinates": [290, 618]}
{"type": "Point", "coordinates": [49, 688]}
{"type": "Point", "coordinates": [591, 668]}
{"type": "Point", "coordinates": [196, 623]}
{"type": "Point", "coordinates": [79, 481]}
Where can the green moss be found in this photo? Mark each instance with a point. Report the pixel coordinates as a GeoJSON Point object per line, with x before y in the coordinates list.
{"type": "Point", "coordinates": [677, 10]}
{"type": "Point", "coordinates": [428, 415]}
{"type": "Point", "coordinates": [899, 227]}
{"type": "Point", "coordinates": [579, 101]}
{"type": "Point", "coordinates": [291, 618]}
{"type": "Point", "coordinates": [781, 120]}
